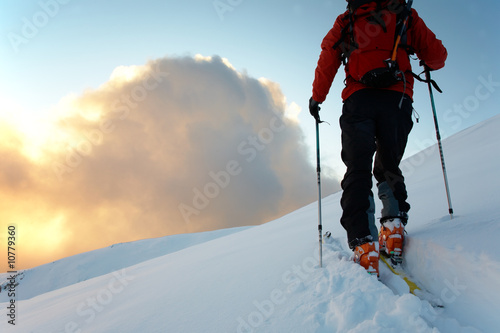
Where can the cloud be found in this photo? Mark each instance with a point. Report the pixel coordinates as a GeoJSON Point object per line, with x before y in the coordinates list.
{"type": "Point", "coordinates": [176, 145]}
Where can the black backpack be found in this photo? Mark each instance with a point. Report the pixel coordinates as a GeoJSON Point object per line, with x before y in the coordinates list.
{"type": "Point", "coordinates": [370, 40]}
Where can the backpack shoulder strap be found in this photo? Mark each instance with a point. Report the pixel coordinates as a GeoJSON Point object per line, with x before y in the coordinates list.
{"type": "Point", "coordinates": [346, 40]}
{"type": "Point", "coordinates": [404, 38]}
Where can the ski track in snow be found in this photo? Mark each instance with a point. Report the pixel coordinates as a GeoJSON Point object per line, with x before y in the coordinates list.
{"type": "Point", "coordinates": [266, 278]}
{"type": "Point", "coordinates": [342, 297]}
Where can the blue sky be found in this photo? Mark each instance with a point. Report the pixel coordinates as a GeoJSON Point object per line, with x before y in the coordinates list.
{"type": "Point", "coordinates": [81, 42]}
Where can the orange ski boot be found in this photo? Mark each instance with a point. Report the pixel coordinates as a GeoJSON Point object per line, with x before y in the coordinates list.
{"type": "Point", "coordinates": [391, 239]}
{"type": "Point", "coordinates": [367, 255]}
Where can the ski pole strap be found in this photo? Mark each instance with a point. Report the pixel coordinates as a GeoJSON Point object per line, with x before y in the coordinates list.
{"type": "Point", "coordinates": [427, 79]}
{"type": "Point", "coordinates": [319, 121]}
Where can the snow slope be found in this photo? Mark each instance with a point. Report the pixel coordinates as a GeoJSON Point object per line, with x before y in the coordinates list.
{"type": "Point", "coordinates": [267, 279]}
{"type": "Point", "coordinates": [84, 266]}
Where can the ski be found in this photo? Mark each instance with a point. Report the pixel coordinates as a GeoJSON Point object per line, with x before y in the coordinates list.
{"type": "Point", "coordinates": [397, 269]}
{"type": "Point", "coordinates": [394, 275]}
{"type": "Point", "coordinates": [413, 287]}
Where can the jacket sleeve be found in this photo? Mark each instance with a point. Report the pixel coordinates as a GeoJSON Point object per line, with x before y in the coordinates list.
{"type": "Point", "coordinates": [328, 63]}
{"type": "Point", "coordinates": [427, 47]}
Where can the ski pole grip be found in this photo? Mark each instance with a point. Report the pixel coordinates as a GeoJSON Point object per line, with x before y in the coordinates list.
{"type": "Point", "coordinates": [427, 71]}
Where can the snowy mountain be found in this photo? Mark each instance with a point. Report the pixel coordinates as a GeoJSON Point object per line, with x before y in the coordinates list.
{"type": "Point", "coordinates": [84, 266]}
{"type": "Point", "coordinates": [266, 278]}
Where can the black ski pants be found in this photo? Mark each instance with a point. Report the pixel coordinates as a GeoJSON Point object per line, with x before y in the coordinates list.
{"type": "Point", "coordinates": [372, 123]}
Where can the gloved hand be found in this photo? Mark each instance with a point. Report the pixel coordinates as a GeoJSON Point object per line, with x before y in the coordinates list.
{"type": "Point", "coordinates": [314, 108]}
{"type": "Point", "coordinates": [423, 64]}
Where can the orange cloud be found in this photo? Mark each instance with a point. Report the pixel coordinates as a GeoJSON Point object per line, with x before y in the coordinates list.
{"type": "Point", "coordinates": [177, 145]}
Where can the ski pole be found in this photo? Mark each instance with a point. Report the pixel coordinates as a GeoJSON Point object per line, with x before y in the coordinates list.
{"type": "Point", "coordinates": [431, 83]}
{"type": "Point", "coordinates": [318, 170]}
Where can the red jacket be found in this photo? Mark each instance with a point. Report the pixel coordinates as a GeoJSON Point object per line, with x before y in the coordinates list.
{"type": "Point", "coordinates": [427, 47]}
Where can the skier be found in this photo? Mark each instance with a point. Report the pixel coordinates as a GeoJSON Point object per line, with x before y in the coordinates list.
{"type": "Point", "coordinates": [376, 115]}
